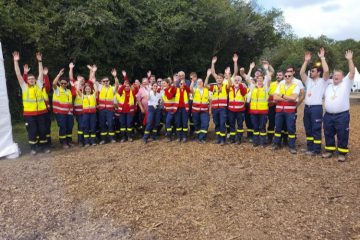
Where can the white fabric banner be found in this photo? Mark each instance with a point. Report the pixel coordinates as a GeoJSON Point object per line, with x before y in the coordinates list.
{"type": "Point", "coordinates": [8, 148]}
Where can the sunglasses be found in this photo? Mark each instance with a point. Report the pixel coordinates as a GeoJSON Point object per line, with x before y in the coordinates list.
{"type": "Point", "coordinates": [288, 75]}
{"type": "Point", "coordinates": [63, 83]}
{"type": "Point", "coordinates": [159, 81]}
{"type": "Point", "coordinates": [106, 80]}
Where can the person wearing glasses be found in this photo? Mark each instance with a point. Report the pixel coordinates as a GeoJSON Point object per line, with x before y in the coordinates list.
{"type": "Point", "coordinates": [106, 107]}
{"type": "Point", "coordinates": [286, 96]}
{"type": "Point", "coordinates": [337, 116]}
{"type": "Point", "coordinates": [64, 109]}
{"type": "Point", "coordinates": [34, 105]}
{"type": "Point", "coordinates": [313, 112]}
{"type": "Point", "coordinates": [181, 110]}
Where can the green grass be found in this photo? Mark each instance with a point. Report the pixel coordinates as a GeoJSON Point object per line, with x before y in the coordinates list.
{"type": "Point", "coordinates": [20, 135]}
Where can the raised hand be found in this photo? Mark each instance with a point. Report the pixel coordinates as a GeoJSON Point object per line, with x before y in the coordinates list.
{"type": "Point", "coordinates": [71, 65]}
{"type": "Point", "coordinates": [39, 57]}
{"type": "Point", "coordinates": [149, 74]}
{"type": "Point", "coordinates": [348, 55]}
{"type": "Point", "coordinates": [321, 53]}
{"type": "Point", "coordinates": [61, 72]}
{"type": "Point", "coordinates": [307, 56]}
{"type": "Point", "coordinates": [265, 64]}
{"type": "Point", "coordinates": [123, 73]}
{"type": "Point", "coordinates": [235, 57]}
{"type": "Point", "coordinates": [227, 70]}
{"type": "Point", "coordinates": [94, 67]}
{"type": "Point", "coordinates": [252, 65]}
{"type": "Point", "coordinates": [72, 84]}
{"type": "Point", "coordinates": [214, 59]}
{"type": "Point", "coordinates": [26, 69]}
{"type": "Point", "coordinates": [45, 71]}
{"type": "Point", "coordinates": [208, 73]}
{"type": "Point", "coordinates": [114, 72]}
{"type": "Point", "coordinates": [89, 67]}
{"type": "Point", "coordinates": [16, 56]}
{"type": "Point", "coordinates": [242, 70]}
{"type": "Point", "coordinates": [176, 78]}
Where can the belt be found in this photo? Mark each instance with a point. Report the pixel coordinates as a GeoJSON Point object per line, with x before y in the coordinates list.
{"type": "Point", "coordinates": [334, 114]}
{"type": "Point", "coordinates": [309, 106]}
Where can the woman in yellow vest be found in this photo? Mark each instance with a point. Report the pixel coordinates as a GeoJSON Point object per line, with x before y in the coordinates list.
{"type": "Point", "coordinates": [88, 97]}
{"type": "Point", "coordinates": [34, 104]}
{"type": "Point", "coordinates": [200, 108]}
{"type": "Point", "coordinates": [259, 106]}
{"type": "Point", "coordinates": [64, 109]}
{"type": "Point", "coordinates": [181, 110]}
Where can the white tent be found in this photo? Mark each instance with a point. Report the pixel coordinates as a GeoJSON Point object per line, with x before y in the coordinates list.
{"type": "Point", "coordinates": [356, 84]}
{"type": "Point", "coordinates": [8, 148]}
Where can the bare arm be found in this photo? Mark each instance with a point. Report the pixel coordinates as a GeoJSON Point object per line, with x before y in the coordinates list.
{"type": "Point", "coordinates": [349, 56]}
{"type": "Point", "coordinates": [242, 73]}
{"type": "Point", "coordinates": [206, 83]}
{"type": "Point", "coordinates": [71, 73]}
{"type": "Point", "coordinates": [16, 57]}
{"type": "Point", "coordinates": [54, 84]}
{"type": "Point", "coordinates": [303, 68]}
{"type": "Point", "coordinates": [236, 68]}
{"type": "Point", "coordinates": [114, 73]}
{"type": "Point", "coordinates": [321, 55]}
{"type": "Point", "coordinates": [148, 95]}
{"type": "Point", "coordinates": [41, 69]}
{"type": "Point", "coordinates": [248, 80]}
{"type": "Point", "coordinates": [213, 67]}
{"type": "Point", "coordinates": [301, 99]}
{"type": "Point", "coordinates": [192, 87]}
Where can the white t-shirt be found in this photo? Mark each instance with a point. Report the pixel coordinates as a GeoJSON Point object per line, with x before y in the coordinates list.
{"type": "Point", "coordinates": [23, 86]}
{"type": "Point", "coordinates": [296, 89]}
{"type": "Point", "coordinates": [154, 99]}
{"type": "Point", "coordinates": [337, 96]}
{"type": "Point", "coordinates": [101, 86]}
{"type": "Point", "coordinates": [315, 91]}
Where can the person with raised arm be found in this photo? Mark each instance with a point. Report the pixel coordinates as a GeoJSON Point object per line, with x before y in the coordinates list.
{"type": "Point", "coordinates": [88, 96]}
{"type": "Point", "coordinates": [154, 113]}
{"type": "Point", "coordinates": [64, 109]}
{"type": "Point", "coordinates": [169, 101]}
{"type": "Point", "coordinates": [106, 107]}
{"type": "Point", "coordinates": [34, 105]}
{"type": "Point", "coordinates": [142, 101]}
{"type": "Point", "coordinates": [248, 123]}
{"type": "Point", "coordinates": [313, 111]}
{"type": "Point", "coordinates": [125, 99]}
{"type": "Point", "coordinates": [259, 106]}
{"type": "Point", "coordinates": [236, 105]}
{"type": "Point", "coordinates": [200, 107]}
{"type": "Point", "coordinates": [286, 96]}
{"type": "Point", "coordinates": [337, 116]}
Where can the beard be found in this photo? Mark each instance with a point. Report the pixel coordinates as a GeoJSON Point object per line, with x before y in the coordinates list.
{"type": "Point", "coordinates": [236, 85]}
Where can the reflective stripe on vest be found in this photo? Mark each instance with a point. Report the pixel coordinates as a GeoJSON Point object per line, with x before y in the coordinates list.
{"type": "Point", "coordinates": [200, 103]}
{"type": "Point", "coordinates": [169, 103]}
{"type": "Point", "coordinates": [63, 104]}
{"type": "Point", "coordinates": [106, 98]}
{"type": "Point", "coordinates": [33, 101]}
{"type": "Point", "coordinates": [46, 99]}
{"type": "Point", "coordinates": [236, 100]}
{"type": "Point", "coordinates": [121, 102]}
{"type": "Point", "coordinates": [259, 101]}
{"type": "Point", "coordinates": [219, 97]}
{"type": "Point", "coordinates": [286, 105]}
{"type": "Point", "coordinates": [177, 100]}
{"type": "Point", "coordinates": [78, 105]}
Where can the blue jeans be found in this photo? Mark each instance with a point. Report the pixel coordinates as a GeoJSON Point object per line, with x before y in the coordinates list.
{"type": "Point", "coordinates": [126, 124]}
{"type": "Point", "coordinates": [290, 120]}
{"type": "Point", "coordinates": [152, 121]}
{"type": "Point", "coordinates": [201, 123]}
{"type": "Point", "coordinates": [239, 118]}
{"type": "Point", "coordinates": [313, 117]}
{"type": "Point", "coordinates": [66, 124]}
{"type": "Point", "coordinates": [181, 122]}
{"type": "Point", "coordinates": [89, 126]}
{"type": "Point", "coordinates": [106, 118]}
{"type": "Point", "coordinates": [219, 118]}
{"type": "Point", "coordinates": [259, 123]}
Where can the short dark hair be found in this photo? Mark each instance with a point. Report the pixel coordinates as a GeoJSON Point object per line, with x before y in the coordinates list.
{"type": "Point", "coordinates": [103, 78]}
{"type": "Point", "coordinates": [64, 79]}
{"type": "Point", "coordinates": [193, 73]}
{"type": "Point", "coordinates": [30, 75]}
{"type": "Point", "coordinates": [319, 69]}
{"type": "Point", "coordinates": [293, 68]}
{"type": "Point", "coordinates": [152, 76]}
{"type": "Point", "coordinates": [280, 71]}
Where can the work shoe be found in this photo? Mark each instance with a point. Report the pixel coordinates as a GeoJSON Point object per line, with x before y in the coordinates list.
{"type": "Point", "coordinates": [87, 145]}
{"type": "Point", "coordinates": [70, 144]}
{"type": "Point", "coordinates": [262, 146]}
{"type": "Point", "coordinates": [178, 140]}
{"type": "Point", "coordinates": [131, 139]}
{"type": "Point", "coordinates": [145, 141]}
{"type": "Point", "coordinates": [112, 141]}
{"type": "Point", "coordinates": [312, 153]}
{"type": "Point", "coordinates": [238, 141]}
{"type": "Point", "coordinates": [251, 140]}
{"type": "Point", "coordinates": [217, 141]}
{"type": "Point", "coordinates": [292, 150]}
{"type": "Point", "coordinates": [203, 141]}
{"type": "Point", "coordinates": [275, 147]}
{"type": "Point", "coordinates": [64, 145]}
{"type": "Point", "coordinates": [231, 141]}
{"type": "Point", "coordinates": [102, 142]}
{"type": "Point", "coordinates": [93, 144]}
{"type": "Point", "coordinates": [222, 143]}
{"type": "Point", "coordinates": [341, 158]}
{"type": "Point", "coordinates": [33, 152]}
{"type": "Point", "coordinates": [168, 139]}
{"type": "Point", "coordinates": [184, 140]}
{"type": "Point", "coordinates": [255, 144]}
{"type": "Point", "coordinates": [45, 150]}
{"type": "Point", "coordinates": [327, 155]}
{"type": "Point", "coordinates": [304, 150]}
{"type": "Point", "coordinates": [155, 139]}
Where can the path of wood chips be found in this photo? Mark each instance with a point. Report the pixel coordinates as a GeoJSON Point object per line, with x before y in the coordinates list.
{"type": "Point", "coordinates": [182, 191]}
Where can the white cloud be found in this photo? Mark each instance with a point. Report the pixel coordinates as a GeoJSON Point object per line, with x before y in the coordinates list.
{"type": "Point", "coordinates": [337, 19]}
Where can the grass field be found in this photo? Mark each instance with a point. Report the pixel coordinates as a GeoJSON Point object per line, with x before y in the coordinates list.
{"type": "Point", "coordinates": [180, 191]}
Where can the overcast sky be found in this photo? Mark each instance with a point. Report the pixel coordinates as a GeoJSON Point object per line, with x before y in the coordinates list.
{"type": "Point", "coordinates": [337, 19]}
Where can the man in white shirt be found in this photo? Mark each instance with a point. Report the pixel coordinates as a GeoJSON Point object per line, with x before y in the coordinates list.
{"type": "Point", "coordinates": [313, 112]}
{"type": "Point", "coordinates": [337, 117]}
{"type": "Point", "coordinates": [286, 95]}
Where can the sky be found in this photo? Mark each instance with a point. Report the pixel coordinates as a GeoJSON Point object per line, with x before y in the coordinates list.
{"type": "Point", "coordinates": [336, 19]}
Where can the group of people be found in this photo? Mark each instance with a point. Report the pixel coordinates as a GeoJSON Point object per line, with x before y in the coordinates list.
{"type": "Point", "coordinates": [113, 112]}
